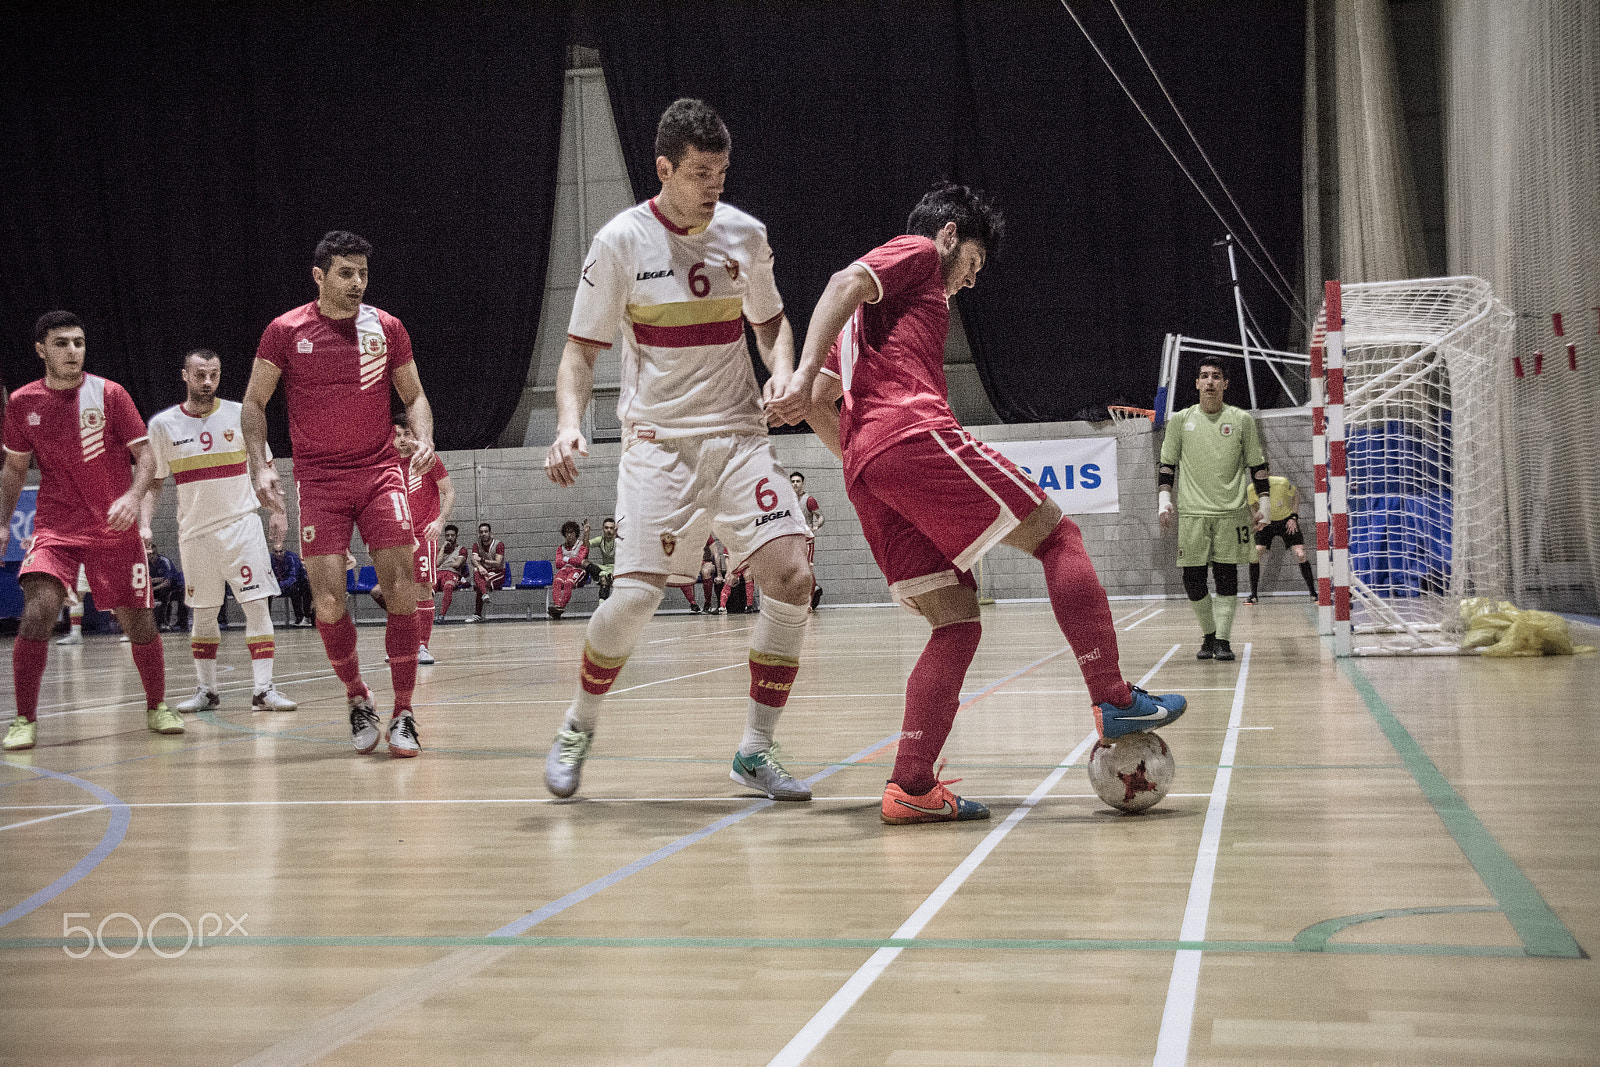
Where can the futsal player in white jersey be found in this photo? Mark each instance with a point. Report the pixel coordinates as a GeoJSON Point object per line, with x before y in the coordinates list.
{"type": "Point", "coordinates": [680, 274]}
{"type": "Point", "coordinates": [201, 444]}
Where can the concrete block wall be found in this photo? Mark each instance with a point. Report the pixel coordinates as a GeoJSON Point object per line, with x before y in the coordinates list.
{"type": "Point", "coordinates": [507, 487]}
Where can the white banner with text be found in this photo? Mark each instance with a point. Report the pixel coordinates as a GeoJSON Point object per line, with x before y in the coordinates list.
{"type": "Point", "coordinates": [1078, 473]}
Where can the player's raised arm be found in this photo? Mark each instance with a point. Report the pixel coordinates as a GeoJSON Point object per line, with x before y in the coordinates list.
{"type": "Point", "coordinates": [574, 387]}
{"type": "Point", "coordinates": [847, 290]}
{"type": "Point", "coordinates": [253, 422]}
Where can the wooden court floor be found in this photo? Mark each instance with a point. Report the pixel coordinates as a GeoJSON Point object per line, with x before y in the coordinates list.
{"type": "Point", "coordinates": [1384, 861]}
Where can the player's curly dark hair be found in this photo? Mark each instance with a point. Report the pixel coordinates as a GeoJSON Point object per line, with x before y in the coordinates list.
{"type": "Point", "coordinates": [570, 525]}
{"type": "Point", "coordinates": [339, 243]}
{"type": "Point", "coordinates": [54, 320]}
{"type": "Point", "coordinates": [688, 122]}
{"type": "Point", "coordinates": [975, 215]}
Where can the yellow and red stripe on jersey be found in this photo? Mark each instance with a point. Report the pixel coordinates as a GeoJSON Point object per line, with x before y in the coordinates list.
{"type": "Point", "coordinates": [688, 323]}
{"type": "Point", "coordinates": [210, 465]}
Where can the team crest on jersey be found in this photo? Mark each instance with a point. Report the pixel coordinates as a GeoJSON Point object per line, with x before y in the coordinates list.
{"type": "Point", "coordinates": [308, 534]}
{"type": "Point", "coordinates": [732, 267]}
{"type": "Point", "coordinates": [190, 593]}
{"type": "Point", "coordinates": [227, 435]}
{"type": "Point", "coordinates": [91, 419]}
{"type": "Point", "coordinates": [373, 344]}
{"type": "Point", "coordinates": [303, 346]}
{"type": "Point", "coordinates": [669, 542]}
{"type": "Point", "coordinates": [1227, 429]}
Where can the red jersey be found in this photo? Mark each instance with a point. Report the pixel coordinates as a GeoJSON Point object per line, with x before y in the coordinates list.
{"type": "Point", "coordinates": [80, 439]}
{"type": "Point", "coordinates": [423, 492]}
{"type": "Point", "coordinates": [896, 385]}
{"type": "Point", "coordinates": [336, 375]}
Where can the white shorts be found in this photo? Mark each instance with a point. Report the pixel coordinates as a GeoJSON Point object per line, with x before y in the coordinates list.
{"type": "Point", "coordinates": [235, 554]}
{"type": "Point", "coordinates": [673, 494]}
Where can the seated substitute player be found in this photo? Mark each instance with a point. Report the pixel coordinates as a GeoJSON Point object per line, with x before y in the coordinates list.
{"type": "Point", "coordinates": [1207, 449]}
{"type": "Point", "coordinates": [87, 437]}
{"type": "Point", "coordinates": [200, 443]}
{"type": "Point", "coordinates": [450, 568]}
{"type": "Point", "coordinates": [680, 274]}
{"type": "Point", "coordinates": [488, 562]}
{"type": "Point", "coordinates": [602, 565]}
{"type": "Point", "coordinates": [166, 585]}
{"type": "Point", "coordinates": [932, 499]}
{"type": "Point", "coordinates": [432, 495]}
{"type": "Point", "coordinates": [1283, 520]}
{"type": "Point", "coordinates": [338, 359]}
{"type": "Point", "coordinates": [571, 555]}
{"type": "Point", "coordinates": [814, 520]}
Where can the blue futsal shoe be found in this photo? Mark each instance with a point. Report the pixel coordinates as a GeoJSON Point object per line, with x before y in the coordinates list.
{"type": "Point", "coordinates": [1145, 713]}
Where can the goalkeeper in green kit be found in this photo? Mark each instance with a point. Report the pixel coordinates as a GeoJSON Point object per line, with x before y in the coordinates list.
{"type": "Point", "coordinates": [1211, 453]}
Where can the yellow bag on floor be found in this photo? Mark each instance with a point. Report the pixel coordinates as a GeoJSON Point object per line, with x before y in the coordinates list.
{"type": "Point", "coordinates": [1501, 629]}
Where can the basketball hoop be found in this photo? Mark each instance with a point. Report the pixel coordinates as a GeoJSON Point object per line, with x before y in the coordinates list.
{"type": "Point", "coordinates": [1130, 422]}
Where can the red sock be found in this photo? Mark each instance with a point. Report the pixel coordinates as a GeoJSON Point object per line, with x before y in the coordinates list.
{"type": "Point", "coordinates": [933, 693]}
{"type": "Point", "coordinates": [727, 587]}
{"type": "Point", "coordinates": [27, 671]}
{"type": "Point", "coordinates": [400, 641]}
{"type": "Point", "coordinates": [152, 665]}
{"type": "Point", "coordinates": [710, 590]}
{"type": "Point", "coordinates": [449, 594]}
{"type": "Point", "coordinates": [688, 595]}
{"type": "Point", "coordinates": [339, 640]}
{"type": "Point", "coordinates": [424, 621]}
{"type": "Point", "coordinates": [1082, 612]}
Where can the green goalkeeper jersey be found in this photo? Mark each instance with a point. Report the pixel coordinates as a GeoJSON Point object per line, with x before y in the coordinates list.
{"type": "Point", "coordinates": [1213, 454]}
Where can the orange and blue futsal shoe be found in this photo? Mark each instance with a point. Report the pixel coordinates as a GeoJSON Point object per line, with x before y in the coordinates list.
{"type": "Point", "coordinates": [1143, 713]}
{"type": "Point", "coordinates": [936, 805]}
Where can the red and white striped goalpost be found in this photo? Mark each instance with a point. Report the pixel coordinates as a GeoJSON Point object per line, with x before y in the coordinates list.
{"type": "Point", "coordinates": [1328, 454]}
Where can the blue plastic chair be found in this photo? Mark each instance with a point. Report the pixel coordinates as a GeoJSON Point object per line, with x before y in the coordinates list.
{"type": "Point", "coordinates": [536, 574]}
{"type": "Point", "coordinates": [356, 583]}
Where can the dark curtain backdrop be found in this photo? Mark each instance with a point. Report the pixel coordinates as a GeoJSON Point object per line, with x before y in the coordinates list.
{"type": "Point", "coordinates": [843, 113]}
{"type": "Point", "coordinates": [169, 170]}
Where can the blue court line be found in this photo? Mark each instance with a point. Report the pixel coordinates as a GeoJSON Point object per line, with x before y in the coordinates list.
{"type": "Point", "coordinates": [579, 895]}
{"type": "Point", "coordinates": [121, 815]}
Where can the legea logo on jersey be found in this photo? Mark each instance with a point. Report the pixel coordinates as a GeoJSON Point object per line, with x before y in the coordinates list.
{"type": "Point", "coordinates": [647, 275]}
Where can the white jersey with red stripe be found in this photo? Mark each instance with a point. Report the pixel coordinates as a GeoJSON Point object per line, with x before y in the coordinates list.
{"type": "Point", "coordinates": [681, 298]}
{"type": "Point", "coordinates": [205, 455]}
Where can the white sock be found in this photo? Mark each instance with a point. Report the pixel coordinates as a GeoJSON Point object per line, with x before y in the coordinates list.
{"type": "Point", "coordinates": [780, 631]}
{"type": "Point", "coordinates": [613, 630]}
{"type": "Point", "coordinates": [203, 626]}
{"type": "Point", "coordinates": [258, 624]}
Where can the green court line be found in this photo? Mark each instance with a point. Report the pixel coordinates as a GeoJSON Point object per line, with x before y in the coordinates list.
{"type": "Point", "coordinates": [1315, 938]}
{"type": "Point", "coordinates": [1541, 931]}
{"type": "Point", "coordinates": [861, 944]}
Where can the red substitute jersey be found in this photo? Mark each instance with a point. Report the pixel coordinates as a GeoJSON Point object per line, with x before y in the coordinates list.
{"type": "Point", "coordinates": [423, 492]}
{"type": "Point", "coordinates": [890, 356]}
{"type": "Point", "coordinates": [81, 440]}
{"type": "Point", "coordinates": [336, 375]}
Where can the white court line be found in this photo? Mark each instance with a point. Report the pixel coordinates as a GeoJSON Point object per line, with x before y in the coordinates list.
{"type": "Point", "coordinates": [57, 815]}
{"type": "Point", "coordinates": [811, 1035]}
{"type": "Point", "coordinates": [1144, 620]}
{"type": "Point", "coordinates": [1177, 1019]}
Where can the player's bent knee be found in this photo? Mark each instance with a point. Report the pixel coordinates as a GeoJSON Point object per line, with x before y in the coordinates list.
{"type": "Point", "coordinates": [1194, 583]}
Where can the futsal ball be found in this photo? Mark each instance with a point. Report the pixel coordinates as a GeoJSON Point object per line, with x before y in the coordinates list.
{"type": "Point", "coordinates": [1133, 772]}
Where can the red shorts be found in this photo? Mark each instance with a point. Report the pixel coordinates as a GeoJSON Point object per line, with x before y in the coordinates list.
{"type": "Point", "coordinates": [933, 504]}
{"type": "Point", "coordinates": [422, 562]}
{"type": "Point", "coordinates": [373, 501]}
{"type": "Point", "coordinates": [446, 581]}
{"type": "Point", "coordinates": [116, 568]}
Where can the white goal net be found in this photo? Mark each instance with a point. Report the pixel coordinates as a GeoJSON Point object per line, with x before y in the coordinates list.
{"type": "Point", "coordinates": [1414, 399]}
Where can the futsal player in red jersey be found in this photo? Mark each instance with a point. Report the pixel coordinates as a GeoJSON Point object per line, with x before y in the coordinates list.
{"type": "Point", "coordinates": [86, 436]}
{"type": "Point", "coordinates": [933, 499]}
{"type": "Point", "coordinates": [432, 495]}
{"type": "Point", "coordinates": [338, 358]}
